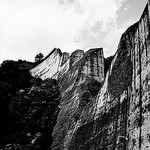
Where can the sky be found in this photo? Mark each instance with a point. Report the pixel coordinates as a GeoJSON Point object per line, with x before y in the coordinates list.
{"type": "Point", "coordinates": [28, 27]}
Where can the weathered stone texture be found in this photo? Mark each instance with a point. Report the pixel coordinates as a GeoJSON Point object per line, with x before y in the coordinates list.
{"type": "Point", "coordinates": [65, 57]}
{"type": "Point", "coordinates": [118, 116]}
{"type": "Point", "coordinates": [79, 85]}
{"type": "Point", "coordinates": [76, 56]}
{"type": "Point", "coordinates": [79, 77]}
{"type": "Point", "coordinates": [49, 66]}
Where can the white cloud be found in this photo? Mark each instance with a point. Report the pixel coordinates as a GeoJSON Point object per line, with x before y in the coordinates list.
{"type": "Point", "coordinates": [31, 26]}
{"type": "Point", "coordinates": [113, 36]}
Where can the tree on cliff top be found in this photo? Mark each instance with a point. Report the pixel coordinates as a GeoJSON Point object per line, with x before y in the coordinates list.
{"type": "Point", "coordinates": [39, 57]}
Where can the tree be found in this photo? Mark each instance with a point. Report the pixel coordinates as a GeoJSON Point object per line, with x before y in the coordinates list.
{"type": "Point", "coordinates": [39, 57]}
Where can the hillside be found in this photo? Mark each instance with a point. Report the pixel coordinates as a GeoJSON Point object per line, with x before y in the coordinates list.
{"type": "Point", "coordinates": [116, 114]}
{"type": "Point", "coordinates": [28, 108]}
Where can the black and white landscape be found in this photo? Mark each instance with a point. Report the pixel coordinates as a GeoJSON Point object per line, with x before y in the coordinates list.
{"type": "Point", "coordinates": [82, 100]}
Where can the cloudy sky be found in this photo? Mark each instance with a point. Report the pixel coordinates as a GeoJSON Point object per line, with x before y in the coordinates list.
{"type": "Point", "coordinates": [28, 27]}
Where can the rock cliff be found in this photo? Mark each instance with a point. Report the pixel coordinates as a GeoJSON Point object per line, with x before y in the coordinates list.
{"type": "Point", "coordinates": [79, 78]}
{"type": "Point", "coordinates": [78, 86]}
{"type": "Point", "coordinates": [49, 66]}
{"type": "Point", "coordinates": [98, 111]}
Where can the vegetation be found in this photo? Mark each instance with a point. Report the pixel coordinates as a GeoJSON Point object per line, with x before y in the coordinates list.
{"type": "Point", "coordinates": [28, 107]}
{"type": "Point", "coordinates": [39, 57]}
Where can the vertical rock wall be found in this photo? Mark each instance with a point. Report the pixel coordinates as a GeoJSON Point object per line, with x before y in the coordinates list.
{"type": "Point", "coordinates": [79, 77]}
{"type": "Point", "coordinates": [79, 86]}
{"type": "Point", "coordinates": [139, 114]}
{"type": "Point", "coordinates": [65, 58]}
{"type": "Point", "coordinates": [76, 56]}
{"type": "Point", "coordinates": [105, 113]}
{"type": "Point", "coordinates": [119, 118]}
{"type": "Point", "coordinates": [49, 66]}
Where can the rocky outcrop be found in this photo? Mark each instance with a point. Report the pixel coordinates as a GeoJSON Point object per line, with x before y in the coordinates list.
{"type": "Point", "coordinates": [78, 86]}
{"type": "Point", "coordinates": [57, 63]}
{"type": "Point", "coordinates": [105, 102]}
{"type": "Point", "coordinates": [65, 58]}
{"type": "Point", "coordinates": [119, 117]}
{"type": "Point", "coordinates": [79, 77]}
{"type": "Point", "coordinates": [49, 66]}
{"type": "Point", "coordinates": [76, 56]}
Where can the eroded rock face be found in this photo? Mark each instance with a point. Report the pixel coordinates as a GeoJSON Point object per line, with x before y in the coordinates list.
{"type": "Point", "coordinates": [76, 56]}
{"type": "Point", "coordinates": [118, 116]}
{"type": "Point", "coordinates": [49, 66]}
{"type": "Point", "coordinates": [65, 58]}
{"type": "Point", "coordinates": [80, 77]}
{"type": "Point", "coordinates": [79, 86]}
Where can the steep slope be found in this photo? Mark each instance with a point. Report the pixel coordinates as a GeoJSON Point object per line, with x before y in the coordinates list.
{"type": "Point", "coordinates": [80, 77]}
{"type": "Point", "coordinates": [32, 114]}
{"type": "Point", "coordinates": [99, 112]}
{"type": "Point", "coordinates": [78, 86]}
{"type": "Point", "coordinates": [119, 117]}
{"type": "Point", "coordinates": [49, 66]}
{"type": "Point", "coordinates": [14, 75]}
{"type": "Point", "coordinates": [28, 107]}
